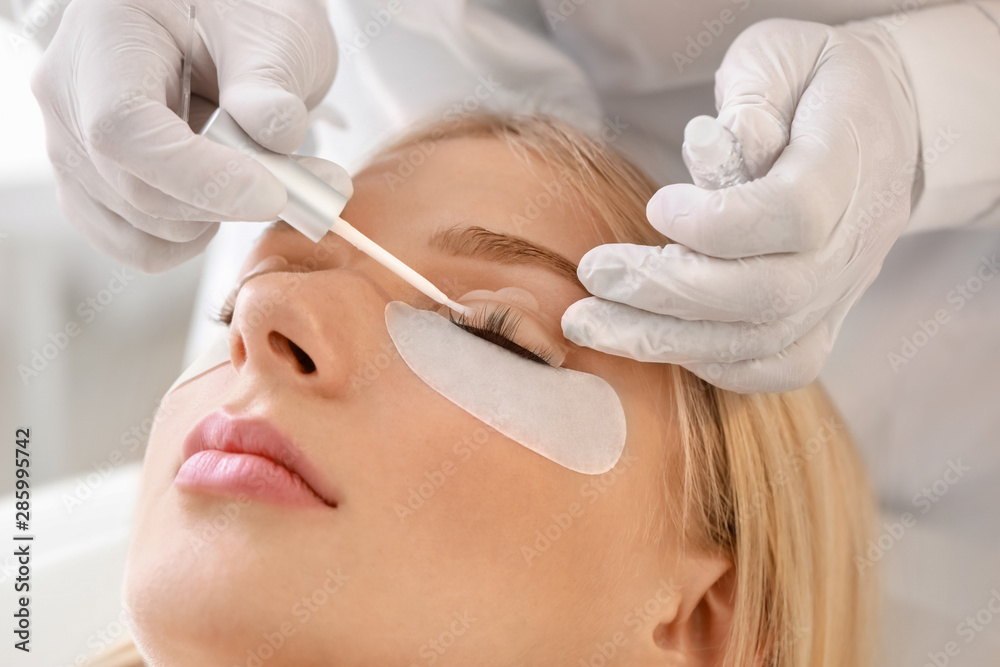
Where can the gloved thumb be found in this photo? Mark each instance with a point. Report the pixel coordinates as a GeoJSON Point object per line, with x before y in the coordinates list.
{"type": "Point", "coordinates": [757, 87]}
{"type": "Point", "coordinates": [273, 117]}
{"type": "Point", "coordinates": [272, 70]}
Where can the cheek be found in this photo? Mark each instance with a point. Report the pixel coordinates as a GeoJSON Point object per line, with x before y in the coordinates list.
{"type": "Point", "coordinates": [444, 482]}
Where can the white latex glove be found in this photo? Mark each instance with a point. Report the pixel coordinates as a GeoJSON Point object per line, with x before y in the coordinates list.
{"type": "Point", "coordinates": [753, 294]}
{"type": "Point", "coordinates": [133, 177]}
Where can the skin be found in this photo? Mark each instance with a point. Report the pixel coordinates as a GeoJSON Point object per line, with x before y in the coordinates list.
{"type": "Point", "coordinates": [213, 579]}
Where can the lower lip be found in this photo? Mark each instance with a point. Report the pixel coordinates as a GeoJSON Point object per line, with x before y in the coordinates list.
{"type": "Point", "coordinates": [230, 474]}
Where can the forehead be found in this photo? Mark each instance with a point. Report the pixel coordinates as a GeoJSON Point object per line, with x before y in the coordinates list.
{"type": "Point", "coordinates": [434, 185]}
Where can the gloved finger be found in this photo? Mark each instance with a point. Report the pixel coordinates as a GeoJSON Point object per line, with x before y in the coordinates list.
{"type": "Point", "coordinates": [170, 172]}
{"type": "Point", "coordinates": [122, 97]}
{"type": "Point", "coordinates": [794, 208]}
{"type": "Point", "coordinates": [151, 204]}
{"type": "Point", "coordinates": [270, 78]}
{"type": "Point", "coordinates": [622, 330]}
{"type": "Point", "coordinates": [121, 200]}
{"type": "Point", "coordinates": [674, 280]}
{"type": "Point", "coordinates": [177, 231]}
{"type": "Point", "coordinates": [156, 204]}
{"type": "Point", "coordinates": [792, 368]}
{"type": "Point", "coordinates": [115, 236]}
{"type": "Point", "coordinates": [153, 220]}
{"type": "Point", "coordinates": [757, 87]}
{"type": "Point", "coordinates": [761, 129]}
{"type": "Point", "coordinates": [331, 172]}
{"type": "Point", "coordinates": [187, 230]}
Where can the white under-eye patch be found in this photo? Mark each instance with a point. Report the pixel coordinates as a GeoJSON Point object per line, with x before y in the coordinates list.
{"type": "Point", "coordinates": [571, 418]}
{"type": "Point", "coordinates": [215, 355]}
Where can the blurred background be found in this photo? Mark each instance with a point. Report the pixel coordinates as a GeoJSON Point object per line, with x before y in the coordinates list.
{"type": "Point", "coordinates": [90, 406]}
{"type": "Point", "coordinates": [99, 387]}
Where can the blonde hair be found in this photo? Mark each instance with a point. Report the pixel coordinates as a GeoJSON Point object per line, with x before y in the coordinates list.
{"type": "Point", "coordinates": [770, 481]}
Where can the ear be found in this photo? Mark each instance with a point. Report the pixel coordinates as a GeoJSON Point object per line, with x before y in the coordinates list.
{"type": "Point", "coordinates": [696, 635]}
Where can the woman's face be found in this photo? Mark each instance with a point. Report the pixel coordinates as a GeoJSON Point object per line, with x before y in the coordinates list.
{"type": "Point", "coordinates": [448, 544]}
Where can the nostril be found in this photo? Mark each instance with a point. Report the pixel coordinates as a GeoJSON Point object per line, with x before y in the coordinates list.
{"type": "Point", "coordinates": [305, 361]}
{"type": "Point", "coordinates": [284, 346]}
{"type": "Point", "coordinates": [237, 350]}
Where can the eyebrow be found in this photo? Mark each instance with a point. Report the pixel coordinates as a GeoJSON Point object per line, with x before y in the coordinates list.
{"type": "Point", "coordinates": [485, 244]}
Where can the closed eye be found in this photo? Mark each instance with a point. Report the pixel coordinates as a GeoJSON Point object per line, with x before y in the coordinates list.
{"type": "Point", "coordinates": [499, 325]}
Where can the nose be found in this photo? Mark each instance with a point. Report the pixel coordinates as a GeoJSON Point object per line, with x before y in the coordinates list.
{"type": "Point", "coordinates": [311, 331]}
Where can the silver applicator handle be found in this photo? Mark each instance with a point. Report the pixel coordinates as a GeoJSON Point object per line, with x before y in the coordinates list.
{"type": "Point", "coordinates": [314, 206]}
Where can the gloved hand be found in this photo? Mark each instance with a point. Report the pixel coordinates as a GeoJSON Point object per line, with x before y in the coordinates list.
{"type": "Point", "coordinates": [133, 177]}
{"type": "Point", "coordinates": [754, 292]}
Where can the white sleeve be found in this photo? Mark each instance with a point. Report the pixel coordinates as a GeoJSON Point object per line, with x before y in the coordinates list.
{"type": "Point", "coordinates": [952, 56]}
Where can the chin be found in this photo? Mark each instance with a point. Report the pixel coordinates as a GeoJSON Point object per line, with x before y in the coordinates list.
{"type": "Point", "coordinates": [187, 588]}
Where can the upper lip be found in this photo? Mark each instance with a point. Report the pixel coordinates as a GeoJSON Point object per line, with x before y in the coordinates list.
{"type": "Point", "coordinates": [225, 432]}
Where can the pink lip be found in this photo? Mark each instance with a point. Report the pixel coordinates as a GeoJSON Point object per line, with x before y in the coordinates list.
{"type": "Point", "coordinates": [229, 455]}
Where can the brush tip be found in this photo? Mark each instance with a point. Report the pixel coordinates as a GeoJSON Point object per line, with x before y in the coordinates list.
{"type": "Point", "coordinates": [465, 311]}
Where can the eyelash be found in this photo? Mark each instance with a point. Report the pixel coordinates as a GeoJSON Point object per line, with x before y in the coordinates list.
{"type": "Point", "coordinates": [495, 325]}
{"type": "Point", "coordinates": [498, 326]}
{"type": "Point", "coordinates": [224, 315]}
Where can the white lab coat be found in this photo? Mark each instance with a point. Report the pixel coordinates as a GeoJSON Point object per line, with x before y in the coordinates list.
{"type": "Point", "coordinates": [650, 65]}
